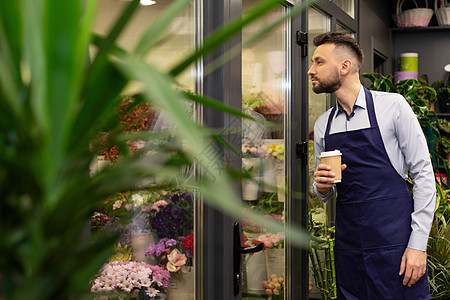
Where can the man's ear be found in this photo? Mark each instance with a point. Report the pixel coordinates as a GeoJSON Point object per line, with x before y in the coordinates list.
{"type": "Point", "coordinates": [346, 67]}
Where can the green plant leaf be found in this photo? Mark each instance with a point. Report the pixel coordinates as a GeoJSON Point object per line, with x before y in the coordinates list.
{"type": "Point", "coordinates": [153, 35]}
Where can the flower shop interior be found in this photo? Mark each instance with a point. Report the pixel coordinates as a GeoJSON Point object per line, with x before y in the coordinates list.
{"type": "Point", "coordinates": [188, 248]}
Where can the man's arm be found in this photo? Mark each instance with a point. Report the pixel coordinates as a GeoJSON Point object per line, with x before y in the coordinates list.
{"type": "Point", "coordinates": [413, 145]}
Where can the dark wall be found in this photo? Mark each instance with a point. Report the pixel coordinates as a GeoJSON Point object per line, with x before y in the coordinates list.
{"type": "Point", "coordinates": [374, 33]}
{"type": "Point", "coordinates": [375, 22]}
{"type": "Point", "coordinates": [433, 48]}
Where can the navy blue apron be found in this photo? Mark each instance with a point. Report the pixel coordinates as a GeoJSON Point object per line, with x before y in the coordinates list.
{"type": "Point", "coordinates": [373, 217]}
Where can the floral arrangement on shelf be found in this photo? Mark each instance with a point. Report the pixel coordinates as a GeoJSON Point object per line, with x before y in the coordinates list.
{"type": "Point", "coordinates": [250, 150]}
{"type": "Point", "coordinates": [133, 118]}
{"type": "Point", "coordinates": [124, 214]}
{"type": "Point", "coordinates": [171, 220]}
{"type": "Point", "coordinates": [173, 254]}
{"type": "Point", "coordinates": [276, 151]}
{"type": "Point", "coordinates": [270, 240]}
{"type": "Point", "coordinates": [114, 226]}
{"type": "Point", "coordinates": [274, 287]}
{"type": "Point", "coordinates": [171, 217]}
{"type": "Point", "coordinates": [254, 100]}
{"type": "Point", "coordinates": [120, 280]}
{"type": "Point", "coordinates": [268, 207]}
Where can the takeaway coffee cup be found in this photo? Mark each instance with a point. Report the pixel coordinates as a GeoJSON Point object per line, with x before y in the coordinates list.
{"type": "Point", "coordinates": [333, 159]}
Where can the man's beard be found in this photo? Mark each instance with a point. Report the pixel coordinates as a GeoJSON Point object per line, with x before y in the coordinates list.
{"type": "Point", "coordinates": [330, 85]}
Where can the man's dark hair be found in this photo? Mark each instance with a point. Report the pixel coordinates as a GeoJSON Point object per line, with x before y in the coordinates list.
{"type": "Point", "coordinates": [341, 40]}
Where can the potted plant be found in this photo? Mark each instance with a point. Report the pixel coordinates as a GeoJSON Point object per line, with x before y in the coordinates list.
{"type": "Point", "coordinates": [443, 95]}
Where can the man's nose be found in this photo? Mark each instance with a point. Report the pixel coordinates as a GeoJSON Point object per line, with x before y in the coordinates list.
{"type": "Point", "coordinates": [311, 70]}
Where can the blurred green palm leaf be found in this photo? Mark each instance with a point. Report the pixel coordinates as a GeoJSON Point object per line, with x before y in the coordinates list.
{"type": "Point", "coordinates": [53, 102]}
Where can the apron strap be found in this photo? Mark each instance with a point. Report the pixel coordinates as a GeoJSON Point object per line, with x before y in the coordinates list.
{"type": "Point", "coordinates": [330, 119]}
{"type": "Point", "coordinates": [370, 108]}
{"type": "Point", "coordinates": [370, 112]}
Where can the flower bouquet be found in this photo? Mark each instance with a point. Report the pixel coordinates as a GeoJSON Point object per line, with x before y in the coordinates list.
{"type": "Point", "coordinates": [171, 220]}
{"type": "Point", "coordinates": [172, 217]}
{"type": "Point", "coordinates": [130, 280]}
{"type": "Point", "coordinates": [250, 150]}
{"type": "Point", "coordinates": [274, 287]}
{"type": "Point", "coordinates": [173, 254]}
{"type": "Point", "coordinates": [276, 151]}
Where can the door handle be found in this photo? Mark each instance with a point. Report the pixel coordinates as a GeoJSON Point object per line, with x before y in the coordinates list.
{"type": "Point", "coordinates": [238, 250]}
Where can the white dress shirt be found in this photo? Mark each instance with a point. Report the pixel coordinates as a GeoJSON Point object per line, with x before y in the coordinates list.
{"type": "Point", "coordinates": [405, 145]}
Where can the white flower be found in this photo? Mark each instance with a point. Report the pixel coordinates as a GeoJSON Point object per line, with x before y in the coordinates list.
{"type": "Point", "coordinates": [137, 199]}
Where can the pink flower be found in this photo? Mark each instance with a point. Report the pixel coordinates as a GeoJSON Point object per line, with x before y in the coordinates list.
{"type": "Point", "coordinates": [175, 260]}
{"type": "Point", "coordinates": [271, 240]}
{"type": "Point", "coordinates": [157, 205]}
{"type": "Point", "coordinates": [117, 204]}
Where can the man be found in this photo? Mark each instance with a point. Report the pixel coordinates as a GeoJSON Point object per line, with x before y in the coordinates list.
{"type": "Point", "coordinates": [381, 230]}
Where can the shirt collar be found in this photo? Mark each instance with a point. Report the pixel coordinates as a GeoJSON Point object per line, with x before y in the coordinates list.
{"type": "Point", "coordinates": [360, 102]}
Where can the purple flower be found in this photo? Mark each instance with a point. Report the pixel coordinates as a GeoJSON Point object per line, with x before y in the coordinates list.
{"type": "Point", "coordinates": [159, 249]}
{"type": "Point", "coordinates": [171, 242]}
{"type": "Point", "coordinates": [150, 250]}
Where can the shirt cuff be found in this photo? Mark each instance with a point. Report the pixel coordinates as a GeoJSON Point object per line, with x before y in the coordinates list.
{"type": "Point", "coordinates": [418, 241]}
{"type": "Point", "coordinates": [324, 198]}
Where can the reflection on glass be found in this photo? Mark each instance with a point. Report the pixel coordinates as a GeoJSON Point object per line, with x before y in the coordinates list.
{"type": "Point", "coordinates": [320, 264]}
{"type": "Point", "coordinates": [264, 97]}
{"type": "Point", "coordinates": [348, 6]}
{"type": "Point", "coordinates": [156, 224]}
{"type": "Point", "coordinates": [318, 23]}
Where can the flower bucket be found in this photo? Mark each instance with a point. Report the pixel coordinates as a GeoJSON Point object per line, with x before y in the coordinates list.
{"type": "Point", "coordinates": [256, 272]}
{"type": "Point", "coordinates": [269, 175]}
{"type": "Point", "coordinates": [250, 190]}
{"type": "Point", "coordinates": [98, 163]}
{"type": "Point", "coordinates": [275, 261]}
{"type": "Point", "coordinates": [139, 244]}
{"type": "Point", "coordinates": [255, 268]}
{"type": "Point", "coordinates": [181, 285]}
{"type": "Point", "coordinates": [281, 187]}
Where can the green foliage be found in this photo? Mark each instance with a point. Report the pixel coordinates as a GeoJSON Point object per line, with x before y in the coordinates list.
{"type": "Point", "coordinates": [53, 103]}
{"type": "Point", "coordinates": [254, 100]}
{"type": "Point", "coordinates": [321, 254]}
{"type": "Point", "coordinates": [439, 247]}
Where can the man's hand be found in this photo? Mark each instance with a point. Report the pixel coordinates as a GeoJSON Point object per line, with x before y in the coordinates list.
{"type": "Point", "coordinates": [414, 265]}
{"type": "Point", "coordinates": [324, 178]}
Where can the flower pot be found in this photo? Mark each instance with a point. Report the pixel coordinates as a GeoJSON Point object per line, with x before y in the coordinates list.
{"type": "Point", "coordinates": [275, 261]}
{"type": "Point", "coordinates": [181, 285]}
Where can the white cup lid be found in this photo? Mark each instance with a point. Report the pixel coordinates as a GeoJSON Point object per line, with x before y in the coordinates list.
{"type": "Point", "coordinates": [330, 153]}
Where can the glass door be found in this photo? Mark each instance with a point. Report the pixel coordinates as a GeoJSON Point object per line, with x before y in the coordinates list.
{"type": "Point", "coordinates": [156, 224]}
{"type": "Point", "coordinates": [264, 96]}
